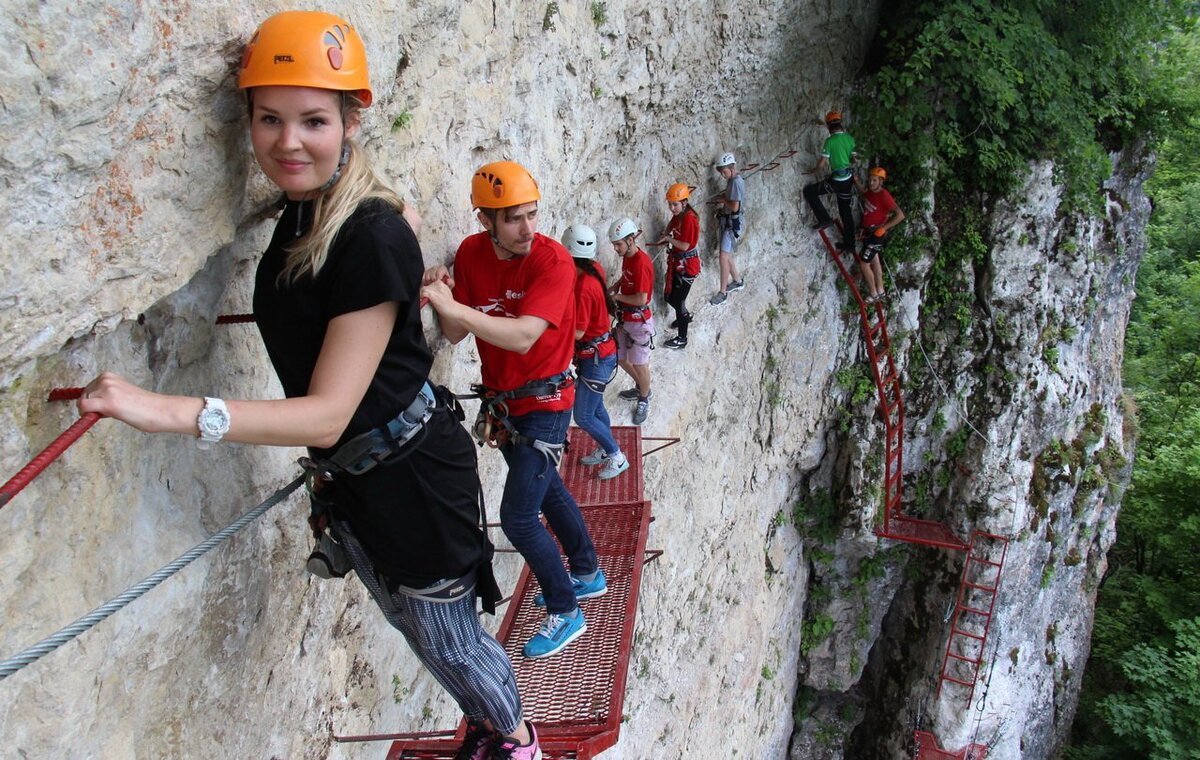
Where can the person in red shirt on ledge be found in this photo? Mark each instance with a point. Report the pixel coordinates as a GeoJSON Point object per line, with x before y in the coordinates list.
{"type": "Point", "coordinates": [595, 352]}
{"type": "Point", "coordinates": [635, 334]}
{"type": "Point", "coordinates": [880, 214]}
{"type": "Point", "coordinates": [514, 290]}
{"type": "Point", "coordinates": [682, 239]}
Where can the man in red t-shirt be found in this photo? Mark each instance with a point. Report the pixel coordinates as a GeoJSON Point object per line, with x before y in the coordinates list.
{"type": "Point", "coordinates": [880, 214]}
{"type": "Point", "coordinates": [635, 333]}
{"type": "Point", "coordinates": [514, 290]}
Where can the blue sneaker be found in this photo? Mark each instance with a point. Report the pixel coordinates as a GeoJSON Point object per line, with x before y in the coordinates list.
{"type": "Point", "coordinates": [583, 590]}
{"type": "Point", "coordinates": [557, 631]}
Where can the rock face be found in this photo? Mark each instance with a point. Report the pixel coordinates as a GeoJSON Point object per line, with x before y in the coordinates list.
{"type": "Point", "coordinates": [130, 190]}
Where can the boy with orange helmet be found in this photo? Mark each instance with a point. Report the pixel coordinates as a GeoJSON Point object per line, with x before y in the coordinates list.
{"type": "Point", "coordinates": [513, 289]}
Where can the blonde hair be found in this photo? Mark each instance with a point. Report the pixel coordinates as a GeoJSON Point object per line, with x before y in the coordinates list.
{"type": "Point", "coordinates": [331, 208]}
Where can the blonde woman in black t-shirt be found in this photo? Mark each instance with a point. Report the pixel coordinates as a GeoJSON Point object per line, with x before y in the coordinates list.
{"type": "Point", "coordinates": [337, 302]}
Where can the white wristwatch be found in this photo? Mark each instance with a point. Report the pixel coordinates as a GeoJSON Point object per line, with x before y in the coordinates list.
{"type": "Point", "coordinates": [213, 422]}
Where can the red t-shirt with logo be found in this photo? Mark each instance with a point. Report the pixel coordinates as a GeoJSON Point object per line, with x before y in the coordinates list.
{"type": "Point", "coordinates": [637, 276]}
{"type": "Point", "coordinates": [686, 227]}
{"type": "Point", "coordinates": [877, 206]}
{"type": "Point", "coordinates": [540, 283]}
{"type": "Point", "coordinates": [591, 312]}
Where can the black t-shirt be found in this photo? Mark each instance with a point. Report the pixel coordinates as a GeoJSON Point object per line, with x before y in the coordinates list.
{"type": "Point", "coordinates": [374, 259]}
{"type": "Point", "coordinates": [417, 518]}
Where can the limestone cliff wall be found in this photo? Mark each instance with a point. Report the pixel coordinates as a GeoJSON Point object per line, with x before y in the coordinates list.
{"type": "Point", "coordinates": [130, 190]}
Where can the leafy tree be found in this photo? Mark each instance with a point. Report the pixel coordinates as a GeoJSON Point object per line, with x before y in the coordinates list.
{"type": "Point", "coordinates": [966, 92]}
{"type": "Point", "coordinates": [1160, 714]}
{"type": "Point", "coordinates": [1140, 694]}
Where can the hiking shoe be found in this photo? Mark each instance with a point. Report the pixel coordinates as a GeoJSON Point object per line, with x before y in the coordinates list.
{"type": "Point", "coordinates": [735, 285]}
{"type": "Point", "coordinates": [508, 749]}
{"type": "Point", "coordinates": [596, 457]}
{"type": "Point", "coordinates": [640, 410]}
{"type": "Point", "coordinates": [598, 586]}
{"type": "Point", "coordinates": [629, 394]}
{"type": "Point", "coordinates": [718, 298]}
{"type": "Point", "coordinates": [557, 631]}
{"type": "Point", "coordinates": [612, 468]}
{"type": "Point", "coordinates": [478, 743]}
{"type": "Point", "coordinates": [676, 342]}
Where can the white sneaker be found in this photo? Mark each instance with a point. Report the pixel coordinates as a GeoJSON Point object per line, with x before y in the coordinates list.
{"type": "Point", "coordinates": [615, 465]}
{"type": "Point", "coordinates": [596, 457]}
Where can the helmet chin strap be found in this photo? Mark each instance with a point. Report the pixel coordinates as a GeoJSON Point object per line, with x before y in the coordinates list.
{"type": "Point", "coordinates": [337, 173]}
{"type": "Point", "coordinates": [491, 231]}
{"type": "Point", "coordinates": [496, 242]}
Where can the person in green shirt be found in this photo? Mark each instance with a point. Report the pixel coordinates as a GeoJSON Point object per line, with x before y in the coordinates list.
{"type": "Point", "coordinates": [836, 157]}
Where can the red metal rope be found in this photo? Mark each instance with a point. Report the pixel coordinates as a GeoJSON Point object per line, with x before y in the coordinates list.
{"type": "Point", "coordinates": [48, 455]}
{"type": "Point", "coordinates": [229, 319]}
{"type": "Point", "coordinates": [64, 394]}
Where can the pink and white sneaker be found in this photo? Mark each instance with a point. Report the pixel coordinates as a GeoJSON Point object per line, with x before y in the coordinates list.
{"type": "Point", "coordinates": [508, 749]}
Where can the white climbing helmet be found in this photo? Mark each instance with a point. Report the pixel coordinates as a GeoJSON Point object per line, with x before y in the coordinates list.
{"type": "Point", "coordinates": [622, 228]}
{"type": "Point", "coordinates": [726, 159]}
{"type": "Point", "coordinates": [580, 241]}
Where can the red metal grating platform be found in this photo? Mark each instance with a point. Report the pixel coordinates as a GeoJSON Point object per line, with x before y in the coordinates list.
{"type": "Point", "coordinates": [928, 748]}
{"type": "Point", "coordinates": [582, 481]}
{"type": "Point", "coordinates": [928, 532]}
{"type": "Point", "coordinates": [574, 698]}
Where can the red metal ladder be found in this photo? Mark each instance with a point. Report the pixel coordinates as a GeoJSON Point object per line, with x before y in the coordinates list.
{"type": "Point", "coordinates": [896, 524]}
{"type": "Point", "coordinates": [978, 590]}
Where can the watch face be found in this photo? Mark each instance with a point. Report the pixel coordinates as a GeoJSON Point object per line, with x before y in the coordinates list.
{"type": "Point", "coordinates": [214, 421]}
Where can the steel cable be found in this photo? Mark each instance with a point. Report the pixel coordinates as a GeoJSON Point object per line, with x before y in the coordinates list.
{"type": "Point", "coordinates": [47, 645]}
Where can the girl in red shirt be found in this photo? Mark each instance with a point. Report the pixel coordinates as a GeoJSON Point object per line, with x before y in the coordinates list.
{"type": "Point", "coordinates": [683, 258]}
{"type": "Point", "coordinates": [595, 351]}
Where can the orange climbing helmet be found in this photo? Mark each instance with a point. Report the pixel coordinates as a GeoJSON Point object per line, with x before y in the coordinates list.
{"type": "Point", "coordinates": [833, 116]}
{"type": "Point", "coordinates": [306, 49]}
{"type": "Point", "coordinates": [678, 192]}
{"type": "Point", "coordinates": [877, 171]}
{"type": "Point", "coordinates": [503, 184]}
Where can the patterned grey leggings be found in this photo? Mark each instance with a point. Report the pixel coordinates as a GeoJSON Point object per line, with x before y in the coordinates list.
{"type": "Point", "coordinates": [448, 639]}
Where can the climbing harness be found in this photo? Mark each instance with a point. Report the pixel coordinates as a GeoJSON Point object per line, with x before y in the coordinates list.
{"type": "Point", "coordinates": [679, 264]}
{"type": "Point", "coordinates": [586, 349]}
{"type": "Point", "coordinates": [731, 222]}
{"type": "Point", "coordinates": [634, 313]}
{"type": "Point", "coordinates": [492, 425]}
{"type": "Point", "coordinates": [362, 453]}
{"type": "Point", "coordinates": [873, 244]}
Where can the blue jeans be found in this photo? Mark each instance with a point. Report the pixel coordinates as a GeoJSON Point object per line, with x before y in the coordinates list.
{"type": "Point", "coordinates": [533, 485]}
{"type": "Point", "coordinates": [590, 414]}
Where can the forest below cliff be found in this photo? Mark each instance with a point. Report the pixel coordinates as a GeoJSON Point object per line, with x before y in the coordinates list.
{"type": "Point", "coordinates": [1142, 687]}
{"type": "Point", "coordinates": [959, 97]}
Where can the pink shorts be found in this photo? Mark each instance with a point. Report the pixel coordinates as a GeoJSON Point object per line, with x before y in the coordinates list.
{"type": "Point", "coordinates": [634, 341]}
